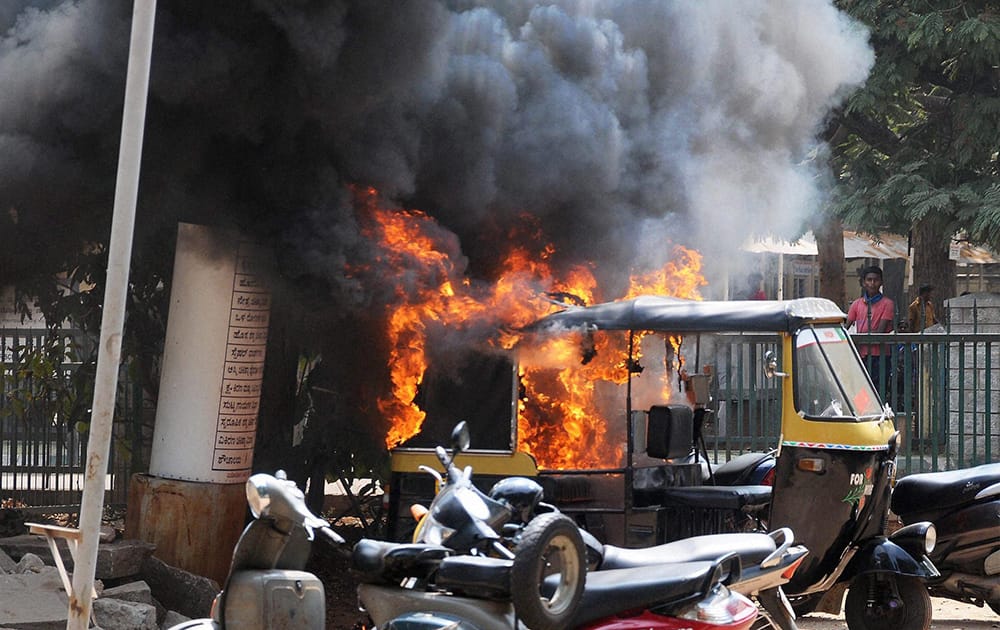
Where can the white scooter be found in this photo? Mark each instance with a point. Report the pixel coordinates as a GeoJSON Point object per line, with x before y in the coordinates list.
{"type": "Point", "coordinates": [267, 586]}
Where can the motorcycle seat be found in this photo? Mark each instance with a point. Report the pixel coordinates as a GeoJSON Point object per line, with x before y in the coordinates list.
{"type": "Point", "coordinates": [732, 471]}
{"type": "Point", "coordinates": [751, 548]}
{"type": "Point", "coordinates": [609, 592]}
{"type": "Point", "coordinates": [377, 561]}
{"type": "Point", "coordinates": [937, 492]}
{"type": "Point", "coordinates": [707, 497]}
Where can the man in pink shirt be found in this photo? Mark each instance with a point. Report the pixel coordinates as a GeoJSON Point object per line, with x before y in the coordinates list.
{"type": "Point", "coordinates": [872, 312]}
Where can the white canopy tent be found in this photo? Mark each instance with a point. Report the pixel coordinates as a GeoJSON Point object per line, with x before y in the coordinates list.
{"type": "Point", "coordinates": [856, 245]}
{"type": "Point", "coordinates": [889, 246]}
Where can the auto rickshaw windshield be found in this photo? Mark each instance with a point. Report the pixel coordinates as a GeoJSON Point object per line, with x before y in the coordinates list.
{"type": "Point", "coordinates": [830, 381]}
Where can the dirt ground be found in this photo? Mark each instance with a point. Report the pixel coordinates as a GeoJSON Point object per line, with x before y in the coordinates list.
{"type": "Point", "coordinates": [947, 615]}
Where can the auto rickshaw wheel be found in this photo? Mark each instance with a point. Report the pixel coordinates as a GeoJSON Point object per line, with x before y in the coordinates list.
{"type": "Point", "coordinates": [883, 600]}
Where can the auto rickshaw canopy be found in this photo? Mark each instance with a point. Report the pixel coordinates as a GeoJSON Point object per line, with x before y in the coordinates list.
{"type": "Point", "coordinates": [676, 315]}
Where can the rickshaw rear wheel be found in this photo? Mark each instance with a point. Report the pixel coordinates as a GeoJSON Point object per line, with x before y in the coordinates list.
{"type": "Point", "coordinates": [876, 601]}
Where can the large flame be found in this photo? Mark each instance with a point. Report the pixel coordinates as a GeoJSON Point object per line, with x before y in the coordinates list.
{"type": "Point", "coordinates": [571, 403]}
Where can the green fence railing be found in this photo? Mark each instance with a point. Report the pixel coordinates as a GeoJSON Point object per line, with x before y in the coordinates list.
{"type": "Point", "coordinates": [41, 454]}
{"type": "Point", "coordinates": [943, 387]}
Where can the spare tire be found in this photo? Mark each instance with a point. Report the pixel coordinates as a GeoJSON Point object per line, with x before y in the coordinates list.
{"type": "Point", "coordinates": [549, 572]}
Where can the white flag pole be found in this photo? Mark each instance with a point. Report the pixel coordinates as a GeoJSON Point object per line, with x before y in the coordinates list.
{"type": "Point", "coordinates": [113, 318]}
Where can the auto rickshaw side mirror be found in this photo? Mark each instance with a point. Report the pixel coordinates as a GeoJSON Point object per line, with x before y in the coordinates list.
{"type": "Point", "coordinates": [771, 365]}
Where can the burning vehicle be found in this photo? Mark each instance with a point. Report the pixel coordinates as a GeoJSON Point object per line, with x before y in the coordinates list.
{"type": "Point", "coordinates": [597, 404]}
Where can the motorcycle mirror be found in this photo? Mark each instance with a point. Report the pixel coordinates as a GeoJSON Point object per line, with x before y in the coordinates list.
{"type": "Point", "coordinates": [771, 365]}
{"type": "Point", "coordinates": [460, 437]}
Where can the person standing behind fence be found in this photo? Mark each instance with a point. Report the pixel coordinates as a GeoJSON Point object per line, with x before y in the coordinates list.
{"type": "Point", "coordinates": [921, 312]}
{"type": "Point", "coordinates": [754, 289]}
{"type": "Point", "coordinates": [872, 312]}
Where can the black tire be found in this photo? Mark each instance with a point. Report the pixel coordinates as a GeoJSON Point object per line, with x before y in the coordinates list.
{"type": "Point", "coordinates": [910, 611]}
{"type": "Point", "coordinates": [805, 604]}
{"type": "Point", "coordinates": [773, 613]}
{"type": "Point", "coordinates": [549, 572]}
{"type": "Point", "coordinates": [995, 605]}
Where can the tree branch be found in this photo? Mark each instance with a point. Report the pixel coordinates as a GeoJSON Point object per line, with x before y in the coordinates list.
{"type": "Point", "coordinates": [877, 135]}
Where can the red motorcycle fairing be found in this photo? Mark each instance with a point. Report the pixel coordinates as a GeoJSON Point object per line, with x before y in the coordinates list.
{"type": "Point", "coordinates": [741, 615]}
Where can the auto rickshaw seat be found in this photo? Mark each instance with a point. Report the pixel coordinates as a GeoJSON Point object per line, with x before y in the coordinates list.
{"type": "Point", "coordinates": [937, 492]}
{"type": "Point", "coordinates": [714, 497]}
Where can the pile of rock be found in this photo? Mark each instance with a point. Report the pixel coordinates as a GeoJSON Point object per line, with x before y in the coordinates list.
{"type": "Point", "coordinates": [136, 591]}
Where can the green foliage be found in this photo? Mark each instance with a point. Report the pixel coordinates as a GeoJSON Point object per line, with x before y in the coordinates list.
{"type": "Point", "coordinates": [924, 131]}
{"type": "Point", "coordinates": [49, 383]}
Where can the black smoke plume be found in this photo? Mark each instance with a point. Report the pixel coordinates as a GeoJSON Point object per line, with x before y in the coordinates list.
{"type": "Point", "coordinates": [618, 126]}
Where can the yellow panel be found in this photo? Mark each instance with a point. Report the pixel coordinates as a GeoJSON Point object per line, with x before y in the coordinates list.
{"type": "Point", "coordinates": [510, 464]}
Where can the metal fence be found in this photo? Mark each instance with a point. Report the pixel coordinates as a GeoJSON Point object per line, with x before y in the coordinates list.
{"type": "Point", "coordinates": [943, 387]}
{"type": "Point", "coordinates": [41, 455]}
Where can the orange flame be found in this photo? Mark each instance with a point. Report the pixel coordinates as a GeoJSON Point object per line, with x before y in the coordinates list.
{"type": "Point", "coordinates": [567, 411]}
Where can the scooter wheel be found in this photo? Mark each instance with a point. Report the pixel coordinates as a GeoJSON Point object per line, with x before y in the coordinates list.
{"type": "Point", "coordinates": [873, 604]}
{"type": "Point", "coordinates": [549, 572]}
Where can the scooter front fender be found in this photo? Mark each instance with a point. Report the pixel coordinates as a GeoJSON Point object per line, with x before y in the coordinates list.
{"type": "Point", "coordinates": [881, 555]}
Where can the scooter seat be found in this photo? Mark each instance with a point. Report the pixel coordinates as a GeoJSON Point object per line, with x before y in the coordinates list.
{"type": "Point", "coordinates": [713, 497]}
{"type": "Point", "coordinates": [377, 561]}
{"type": "Point", "coordinates": [926, 493]}
{"type": "Point", "coordinates": [475, 576]}
{"type": "Point", "coordinates": [610, 592]}
{"type": "Point", "coordinates": [751, 548]}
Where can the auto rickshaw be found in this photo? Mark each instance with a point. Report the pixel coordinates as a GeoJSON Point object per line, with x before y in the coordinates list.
{"type": "Point", "coordinates": [835, 456]}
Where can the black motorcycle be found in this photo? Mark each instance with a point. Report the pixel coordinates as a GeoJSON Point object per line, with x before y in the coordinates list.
{"type": "Point", "coordinates": [964, 506]}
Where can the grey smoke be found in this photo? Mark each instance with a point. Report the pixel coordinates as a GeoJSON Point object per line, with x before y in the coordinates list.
{"type": "Point", "coordinates": [621, 126]}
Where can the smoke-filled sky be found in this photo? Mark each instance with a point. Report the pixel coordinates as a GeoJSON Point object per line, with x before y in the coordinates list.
{"type": "Point", "coordinates": [619, 125]}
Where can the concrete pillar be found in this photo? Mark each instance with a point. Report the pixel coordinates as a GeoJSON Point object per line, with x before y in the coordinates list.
{"type": "Point", "coordinates": [192, 504]}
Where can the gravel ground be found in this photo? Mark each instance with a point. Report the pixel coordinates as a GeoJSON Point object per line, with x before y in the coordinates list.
{"type": "Point", "coordinates": [947, 615]}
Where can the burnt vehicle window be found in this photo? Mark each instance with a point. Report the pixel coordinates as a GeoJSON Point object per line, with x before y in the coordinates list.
{"type": "Point", "coordinates": [830, 381]}
{"type": "Point", "coordinates": [475, 387]}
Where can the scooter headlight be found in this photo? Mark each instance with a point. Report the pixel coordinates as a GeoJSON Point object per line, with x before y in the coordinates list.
{"type": "Point", "coordinates": [432, 531]}
{"type": "Point", "coordinates": [258, 494]}
{"type": "Point", "coordinates": [916, 538]}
